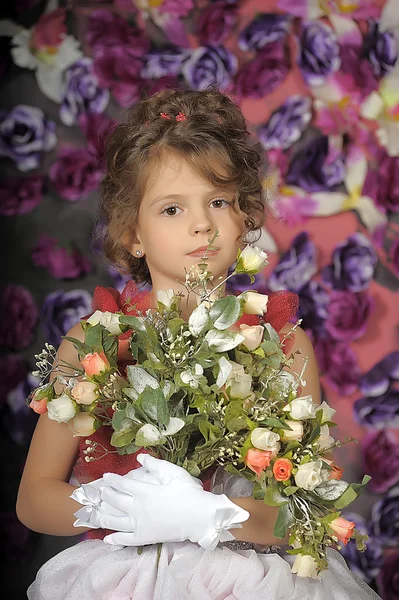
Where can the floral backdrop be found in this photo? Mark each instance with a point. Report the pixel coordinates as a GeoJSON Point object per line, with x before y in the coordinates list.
{"type": "Point", "coordinates": [318, 81]}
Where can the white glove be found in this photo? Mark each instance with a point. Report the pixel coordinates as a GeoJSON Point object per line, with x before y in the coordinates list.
{"type": "Point", "coordinates": [174, 509]}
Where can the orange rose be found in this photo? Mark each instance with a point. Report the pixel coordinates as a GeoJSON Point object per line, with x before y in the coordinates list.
{"type": "Point", "coordinates": [95, 363]}
{"type": "Point", "coordinates": [258, 460]}
{"type": "Point", "coordinates": [39, 406]}
{"type": "Point", "coordinates": [343, 529]}
{"type": "Point", "coordinates": [282, 469]}
{"type": "Point", "coordinates": [336, 472]}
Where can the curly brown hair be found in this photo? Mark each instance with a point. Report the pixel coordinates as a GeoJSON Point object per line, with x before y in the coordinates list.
{"type": "Point", "coordinates": [214, 134]}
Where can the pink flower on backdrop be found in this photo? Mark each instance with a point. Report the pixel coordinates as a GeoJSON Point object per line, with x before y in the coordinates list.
{"type": "Point", "coordinates": [152, 86]}
{"type": "Point", "coordinates": [60, 262]}
{"type": "Point", "coordinates": [381, 459]}
{"type": "Point", "coordinates": [118, 69]}
{"type": "Point", "coordinates": [20, 195]}
{"type": "Point", "coordinates": [177, 8]}
{"type": "Point", "coordinates": [394, 255]}
{"type": "Point", "coordinates": [263, 74]}
{"type": "Point", "coordinates": [75, 173]}
{"type": "Point", "coordinates": [106, 30]}
{"type": "Point", "coordinates": [348, 315]}
{"type": "Point", "coordinates": [18, 317]}
{"type": "Point", "coordinates": [96, 128]}
{"type": "Point", "coordinates": [49, 31]}
{"type": "Point", "coordinates": [216, 22]}
{"type": "Point", "coordinates": [339, 364]}
{"type": "Point", "coordinates": [382, 181]}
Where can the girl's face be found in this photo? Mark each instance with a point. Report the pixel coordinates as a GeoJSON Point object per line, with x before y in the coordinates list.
{"type": "Point", "coordinates": [178, 214]}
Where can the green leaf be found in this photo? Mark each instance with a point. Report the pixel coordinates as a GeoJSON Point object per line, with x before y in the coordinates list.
{"type": "Point", "coordinates": [222, 341]}
{"type": "Point", "coordinates": [331, 490]}
{"type": "Point", "coordinates": [273, 497]}
{"type": "Point", "coordinates": [236, 424]}
{"type": "Point", "coordinates": [149, 435]}
{"type": "Point", "coordinates": [135, 323]}
{"type": "Point", "coordinates": [83, 348]}
{"type": "Point", "coordinates": [94, 336]}
{"type": "Point", "coordinates": [130, 449]}
{"type": "Point", "coordinates": [199, 320]}
{"type": "Point", "coordinates": [284, 520]}
{"type": "Point", "coordinates": [243, 358]}
{"type": "Point", "coordinates": [346, 498]}
{"type": "Point", "coordinates": [225, 312]}
{"type": "Point", "coordinates": [153, 404]}
{"type": "Point", "coordinates": [210, 432]}
{"type": "Point", "coordinates": [274, 422]}
{"type": "Point", "coordinates": [291, 489]}
{"type": "Point", "coordinates": [120, 439]}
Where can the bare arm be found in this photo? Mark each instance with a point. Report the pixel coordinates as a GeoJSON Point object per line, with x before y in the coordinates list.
{"type": "Point", "coordinates": [259, 527]}
{"type": "Point", "coordinates": [43, 502]}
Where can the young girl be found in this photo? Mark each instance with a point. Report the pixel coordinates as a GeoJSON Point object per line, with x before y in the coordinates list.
{"type": "Point", "coordinates": [181, 167]}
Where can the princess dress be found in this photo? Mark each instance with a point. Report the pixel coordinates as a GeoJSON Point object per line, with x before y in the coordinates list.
{"type": "Point", "coordinates": [93, 570]}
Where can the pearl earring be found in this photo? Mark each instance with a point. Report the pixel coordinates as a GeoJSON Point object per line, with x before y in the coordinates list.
{"type": "Point", "coordinates": [139, 253]}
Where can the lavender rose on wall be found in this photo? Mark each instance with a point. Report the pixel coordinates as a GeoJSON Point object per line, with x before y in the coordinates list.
{"type": "Point", "coordinates": [286, 124]}
{"type": "Point", "coordinates": [61, 310]}
{"type": "Point", "coordinates": [317, 166]}
{"type": "Point", "coordinates": [319, 52]}
{"type": "Point", "coordinates": [25, 133]}
{"type": "Point", "coordinates": [353, 264]}
{"type": "Point", "coordinates": [296, 267]}
{"type": "Point", "coordinates": [209, 65]}
{"type": "Point", "coordinates": [265, 28]}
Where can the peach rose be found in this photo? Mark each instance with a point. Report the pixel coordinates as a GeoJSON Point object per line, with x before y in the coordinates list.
{"type": "Point", "coordinates": [39, 406]}
{"type": "Point", "coordinates": [82, 425]}
{"type": "Point", "coordinates": [343, 529]}
{"type": "Point", "coordinates": [336, 472]}
{"type": "Point", "coordinates": [258, 460]}
{"type": "Point", "coordinates": [84, 392]}
{"type": "Point", "coordinates": [282, 469]}
{"type": "Point", "coordinates": [95, 363]}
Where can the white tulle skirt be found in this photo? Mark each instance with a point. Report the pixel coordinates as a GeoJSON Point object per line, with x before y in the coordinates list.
{"type": "Point", "coordinates": [93, 570]}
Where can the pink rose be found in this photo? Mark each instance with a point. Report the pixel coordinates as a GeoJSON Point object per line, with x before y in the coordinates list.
{"type": "Point", "coordinates": [84, 392]}
{"type": "Point", "coordinates": [75, 173]}
{"type": "Point", "coordinates": [348, 314]}
{"type": "Point", "coordinates": [49, 31]}
{"type": "Point", "coordinates": [343, 529]}
{"type": "Point", "coordinates": [39, 406]}
{"type": "Point", "coordinates": [20, 195]}
{"type": "Point", "coordinates": [61, 263]}
{"type": "Point", "coordinates": [336, 472]}
{"type": "Point", "coordinates": [258, 460]}
{"type": "Point", "coordinates": [95, 363]}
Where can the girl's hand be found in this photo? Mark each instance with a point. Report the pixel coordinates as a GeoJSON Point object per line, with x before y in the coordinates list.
{"type": "Point", "coordinates": [172, 507]}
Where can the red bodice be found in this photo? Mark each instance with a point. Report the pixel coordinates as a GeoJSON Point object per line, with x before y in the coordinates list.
{"type": "Point", "coordinates": [282, 306]}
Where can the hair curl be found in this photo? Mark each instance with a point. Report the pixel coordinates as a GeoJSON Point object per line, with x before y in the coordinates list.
{"type": "Point", "coordinates": [214, 134]}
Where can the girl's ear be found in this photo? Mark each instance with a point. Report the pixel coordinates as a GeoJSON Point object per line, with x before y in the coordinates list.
{"type": "Point", "coordinates": [132, 243]}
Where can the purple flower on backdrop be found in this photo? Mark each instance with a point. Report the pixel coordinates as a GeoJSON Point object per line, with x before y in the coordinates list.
{"type": "Point", "coordinates": [118, 69]}
{"type": "Point", "coordinates": [177, 8]}
{"type": "Point", "coordinates": [20, 420]}
{"type": "Point", "coordinates": [263, 74]}
{"type": "Point", "coordinates": [356, 73]}
{"type": "Point", "coordinates": [13, 369]}
{"type": "Point", "coordinates": [105, 30]}
{"type": "Point", "coordinates": [286, 124]}
{"type": "Point", "coordinates": [316, 167]}
{"type": "Point", "coordinates": [348, 314]}
{"type": "Point", "coordinates": [14, 537]}
{"type": "Point", "coordinates": [18, 317]}
{"type": "Point", "coordinates": [96, 128]}
{"type": "Point", "coordinates": [394, 255]}
{"type": "Point", "coordinates": [240, 283]}
{"type": "Point", "coordinates": [160, 63]}
{"type": "Point", "coordinates": [25, 133]}
{"type": "Point", "coordinates": [313, 305]}
{"type": "Point", "coordinates": [119, 280]}
{"type": "Point", "coordinates": [75, 173]}
{"type": "Point", "coordinates": [353, 264]}
{"type": "Point", "coordinates": [381, 459]}
{"type": "Point", "coordinates": [319, 52]}
{"type": "Point", "coordinates": [296, 266]}
{"type": "Point", "coordinates": [378, 411]}
{"type": "Point", "coordinates": [382, 183]}
{"type": "Point", "coordinates": [385, 518]}
{"type": "Point", "coordinates": [388, 579]}
{"type": "Point", "coordinates": [378, 379]}
{"type": "Point", "coordinates": [61, 263]}
{"type": "Point", "coordinates": [380, 49]}
{"type": "Point", "coordinates": [265, 28]}
{"type": "Point", "coordinates": [338, 362]}
{"type": "Point", "coordinates": [216, 22]}
{"type": "Point", "coordinates": [82, 93]}
{"type": "Point", "coordinates": [209, 65]}
{"type": "Point", "coordinates": [20, 195]}
{"type": "Point", "coordinates": [61, 310]}
{"type": "Point", "coordinates": [367, 564]}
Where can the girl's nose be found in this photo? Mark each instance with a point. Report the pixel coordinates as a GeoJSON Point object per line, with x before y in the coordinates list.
{"type": "Point", "coordinates": [201, 223]}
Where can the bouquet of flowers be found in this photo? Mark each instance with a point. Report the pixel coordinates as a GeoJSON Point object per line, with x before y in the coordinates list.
{"type": "Point", "coordinates": [211, 391]}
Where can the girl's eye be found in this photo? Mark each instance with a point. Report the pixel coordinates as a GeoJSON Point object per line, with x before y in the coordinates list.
{"type": "Point", "coordinates": [170, 211]}
{"type": "Point", "coordinates": [220, 203]}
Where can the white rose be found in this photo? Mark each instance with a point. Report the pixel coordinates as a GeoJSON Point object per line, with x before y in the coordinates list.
{"type": "Point", "coordinates": [328, 412]}
{"type": "Point", "coordinates": [253, 336]}
{"type": "Point", "coordinates": [264, 439]}
{"type": "Point", "coordinates": [302, 408]}
{"type": "Point", "coordinates": [308, 475]}
{"type": "Point", "coordinates": [252, 260]}
{"type": "Point", "coordinates": [255, 304]}
{"type": "Point", "coordinates": [305, 566]}
{"type": "Point", "coordinates": [325, 440]}
{"type": "Point", "coordinates": [295, 435]}
{"type": "Point", "coordinates": [238, 382]}
{"type": "Point", "coordinates": [82, 425]}
{"type": "Point", "coordinates": [84, 392]}
{"type": "Point", "coordinates": [61, 409]}
{"type": "Point", "coordinates": [166, 297]}
{"type": "Point", "coordinates": [107, 319]}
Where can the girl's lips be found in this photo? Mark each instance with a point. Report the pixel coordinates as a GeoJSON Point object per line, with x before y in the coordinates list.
{"type": "Point", "coordinates": [203, 253]}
